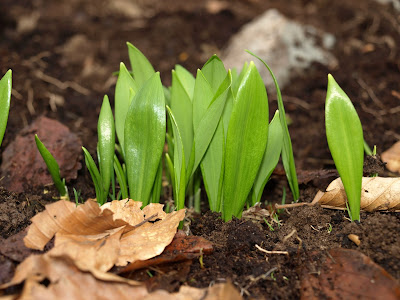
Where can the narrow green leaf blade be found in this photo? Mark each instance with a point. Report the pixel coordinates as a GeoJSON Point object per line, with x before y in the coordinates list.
{"type": "Point", "coordinates": [96, 178]}
{"type": "Point", "coordinates": [156, 191]}
{"type": "Point", "coordinates": [119, 172]}
{"type": "Point", "coordinates": [178, 165]}
{"type": "Point", "coordinates": [52, 166]}
{"type": "Point", "coordinates": [346, 143]}
{"type": "Point", "coordinates": [245, 143]}
{"type": "Point", "coordinates": [181, 106]}
{"type": "Point", "coordinates": [141, 67]}
{"type": "Point", "coordinates": [270, 158]}
{"type": "Point", "coordinates": [287, 151]}
{"type": "Point", "coordinates": [5, 98]}
{"type": "Point", "coordinates": [123, 98]}
{"type": "Point", "coordinates": [144, 138]}
{"type": "Point", "coordinates": [106, 143]}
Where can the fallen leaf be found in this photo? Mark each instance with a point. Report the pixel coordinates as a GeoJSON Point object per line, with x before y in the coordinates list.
{"type": "Point", "coordinates": [101, 237]}
{"type": "Point", "coordinates": [182, 247]}
{"type": "Point", "coordinates": [378, 193]}
{"type": "Point", "coordinates": [46, 277]}
{"type": "Point", "coordinates": [347, 274]}
{"type": "Point", "coordinates": [392, 158]}
{"type": "Point", "coordinates": [22, 163]}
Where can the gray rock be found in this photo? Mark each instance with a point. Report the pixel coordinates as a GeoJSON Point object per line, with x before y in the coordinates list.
{"type": "Point", "coordinates": [287, 47]}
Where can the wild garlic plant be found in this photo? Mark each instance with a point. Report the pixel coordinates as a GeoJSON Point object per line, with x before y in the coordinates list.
{"type": "Point", "coordinates": [217, 132]}
{"type": "Point", "coordinates": [346, 143]}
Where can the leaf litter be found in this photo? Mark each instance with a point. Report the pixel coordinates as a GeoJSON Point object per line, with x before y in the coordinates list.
{"type": "Point", "coordinates": [90, 240]}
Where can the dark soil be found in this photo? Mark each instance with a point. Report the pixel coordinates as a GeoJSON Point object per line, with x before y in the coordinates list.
{"type": "Point", "coordinates": [56, 76]}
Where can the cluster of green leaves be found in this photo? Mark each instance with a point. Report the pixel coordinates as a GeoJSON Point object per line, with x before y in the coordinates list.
{"type": "Point", "coordinates": [140, 126]}
{"type": "Point", "coordinates": [218, 132]}
{"type": "Point", "coordinates": [346, 143]}
{"type": "Point", "coordinates": [219, 122]}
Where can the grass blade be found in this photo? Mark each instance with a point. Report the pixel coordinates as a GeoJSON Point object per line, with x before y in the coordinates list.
{"type": "Point", "coordinates": [144, 138]}
{"type": "Point", "coordinates": [5, 98]}
{"type": "Point", "coordinates": [346, 143]}
{"type": "Point", "coordinates": [270, 158]}
{"type": "Point", "coordinates": [125, 90]}
{"type": "Point", "coordinates": [245, 143]}
{"type": "Point", "coordinates": [141, 67]}
{"type": "Point", "coordinates": [52, 166]}
{"type": "Point", "coordinates": [287, 151]}
{"type": "Point", "coordinates": [106, 143]}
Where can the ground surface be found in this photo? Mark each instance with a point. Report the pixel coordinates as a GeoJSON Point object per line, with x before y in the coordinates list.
{"type": "Point", "coordinates": [63, 54]}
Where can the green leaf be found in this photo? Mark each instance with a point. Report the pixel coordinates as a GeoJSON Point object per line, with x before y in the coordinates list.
{"type": "Point", "coordinates": [121, 178]}
{"type": "Point", "coordinates": [208, 146]}
{"type": "Point", "coordinates": [346, 143]}
{"type": "Point", "coordinates": [156, 191]}
{"type": "Point", "coordinates": [125, 90]}
{"type": "Point", "coordinates": [141, 67]}
{"type": "Point", "coordinates": [144, 138]}
{"type": "Point", "coordinates": [106, 143]}
{"type": "Point", "coordinates": [245, 143]}
{"type": "Point", "coordinates": [187, 80]}
{"type": "Point", "coordinates": [209, 120]}
{"type": "Point", "coordinates": [5, 97]}
{"type": "Point", "coordinates": [101, 197]}
{"type": "Point", "coordinates": [181, 106]}
{"type": "Point", "coordinates": [215, 72]}
{"type": "Point", "coordinates": [287, 153]}
{"type": "Point", "coordinates": [270, 158]}
{"type": "Point", "coordinates": [52, 166]}
{"type": "Point", "coordinates": [179, 168]}
{"type": "Point", "coordinates": [212, 168]}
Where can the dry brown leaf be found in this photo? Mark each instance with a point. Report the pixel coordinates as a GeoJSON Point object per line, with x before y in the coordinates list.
{"type": "Point", "coordinates": [65, 280]}
{"type": "Point", "coordinates": [378, 193]}
{"type": "Point", "coordinates": [99, 237]}
{"type": "Point", "coordinates": [150, 239]}
{"type": "Point", "coordinates": [392, 158]}
{"type": "Point", "coordinates": [346, 274]}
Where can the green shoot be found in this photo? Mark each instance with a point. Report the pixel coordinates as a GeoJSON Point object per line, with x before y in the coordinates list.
{"type": "Point", "coordinates": [287, 151]}
{"type": "Point", "coordinates": [245, 142]}
{"type": "Point", "coordinates": [106, 144]}
{"type": "Point", "coordinates": [53, 167]}
{"type": "Point", "coordinates": [5, 99]}
{"type": "Point", "coordinates": [346, 143]}
{"type": "Point", "coordinates": [177, 169]}
{"type": "Point", "coordinates": [270, 158]}
{"type": "Point", "coordinates": [145, 127]}
{"type": "Point", "coordinates": [367, 149]}
{"type": "Point", "coordinates": [101, 194]}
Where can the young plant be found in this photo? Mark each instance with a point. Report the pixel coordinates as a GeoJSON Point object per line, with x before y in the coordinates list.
{"type": "Point", "coordinates": [53, 168]}
{"type": "Point", "coordinates": [140, 125]}
{"type": "Point", "coordinates": [246, 139]}
{"type": "Point", "coordinates": [5, 98]}
{"type": "Point", "coordinates": [287, 151]}
{"type": "Point", "coordinates": [346, 143]}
